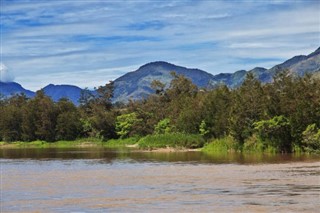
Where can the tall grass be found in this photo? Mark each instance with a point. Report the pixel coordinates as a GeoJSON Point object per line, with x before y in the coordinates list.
{"type": "Point", "coordinates": [56, 144]}
{"type": "Point", "coordinates": [221, 145]}
{"type": "Point", "coordinates": [121, 142]}
{"type": "Point", "coordinates": [174, 140]}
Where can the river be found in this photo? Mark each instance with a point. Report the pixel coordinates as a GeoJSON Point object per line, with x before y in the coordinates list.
{"type": "Point", "coordinates": [110, 180]}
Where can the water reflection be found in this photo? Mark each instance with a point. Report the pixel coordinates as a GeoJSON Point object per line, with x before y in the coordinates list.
{"type": "Point", "coordinates": [110, 180]}
{"type": "Point", "coordinates": [109, 155]}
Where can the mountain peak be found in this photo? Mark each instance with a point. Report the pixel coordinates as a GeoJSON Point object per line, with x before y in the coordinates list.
{"type": "Point", "coordinates": [316, 52]}
{"type": "Point", "coordinates": [137, 84]}
{"type": "Point", "coordinates": [11, 88]}
{"type": "Point", "coordinates": [154, 64]}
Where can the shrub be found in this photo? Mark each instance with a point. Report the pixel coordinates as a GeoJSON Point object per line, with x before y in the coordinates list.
{"type": "Point", "coordinates": [125, 124]}
{"type": "Point", "coordinates": [275, 133]}
{"type": "Point", "coordinates": [253, 144]}
{"type": "Point", "coordinates": [311, 139]}
{"type": "Point", "coordinates": [175, 140]}
{"type": "Point", "coordinates": [163, 127]}
{"type": "Point", "coordinates": [225, 144]}
{"type": "Point", "coordinates": [121, 142]}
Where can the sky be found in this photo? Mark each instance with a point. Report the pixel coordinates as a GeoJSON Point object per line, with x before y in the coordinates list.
{"type": "Point", "coordinates": [89, 42]}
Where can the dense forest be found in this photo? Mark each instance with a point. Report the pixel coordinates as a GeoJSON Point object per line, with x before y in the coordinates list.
{"type": "Point", "coordinates": [283, 115]}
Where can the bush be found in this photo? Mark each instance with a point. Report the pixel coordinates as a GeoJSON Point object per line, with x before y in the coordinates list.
{"type": "Point", "coordinates": [311, 139]}
{"type": "Point", "coordinates": [275, 133]}
{"type": "Point", "coordinates": [175, 140]}
{"type": "Point", "coordinates": [125, 124]}
{"type": "Point", "coordinates": [225, 144]}
{"type": "Point", "coordinates": [253, 144]}
{"type": "Point", "coordinates": [163, 127]}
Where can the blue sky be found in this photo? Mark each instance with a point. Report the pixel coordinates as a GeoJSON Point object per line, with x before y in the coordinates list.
{"type": "Point", "coordinates": [88, 43]}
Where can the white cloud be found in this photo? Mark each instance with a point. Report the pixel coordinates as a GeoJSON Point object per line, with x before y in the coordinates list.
{"type": "Point", "coordinates": [5, 75]}
{"type": "Point", "coordinates": [60, 39]}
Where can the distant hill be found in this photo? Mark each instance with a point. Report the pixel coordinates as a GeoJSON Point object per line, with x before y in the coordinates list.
{"type": "Point", "coordinates": [299, 65]}
{"type": "Point", "coordinates": [9, 89]}
{"type": "Point", "coordinates": [56, 92]}
{"type": "Point", "coordinates": [136, 85]}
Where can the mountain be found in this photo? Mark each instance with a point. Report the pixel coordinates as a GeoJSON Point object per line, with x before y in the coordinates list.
{"type": "Point", "coordinates": [136, 85]}
{"type": "Point", "coordinates": [56, 92]}
{"type": "Point", "coordinates": [299, 65]}
{"type": "Point", "coordinates": [11, 88]}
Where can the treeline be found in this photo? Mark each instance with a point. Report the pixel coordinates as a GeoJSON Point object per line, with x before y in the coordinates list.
{"type": "Point", "coordinates": [283, 116]}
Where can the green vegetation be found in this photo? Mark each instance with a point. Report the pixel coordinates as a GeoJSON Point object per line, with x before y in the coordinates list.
{"type": "Point", "coordinates": [57, 144]}
{"type": "Point", "coordinates": [125, 124]}
{"type": "Point", "coordinates": [311, 139]}
{"type": "Point", "coordinates": [282, 116]}
{"type": "Point", "coordinates": [175, 140]}
{"type": "Point", "coordinates": [163, 127]}
{"type": "Point", "coordinates": [121, 142]}
{"type": "Point", "coordinates": [222, 145]}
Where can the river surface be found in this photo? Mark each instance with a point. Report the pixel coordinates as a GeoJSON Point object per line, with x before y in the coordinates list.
{"type": "Point", "coordinates": [105, 180]}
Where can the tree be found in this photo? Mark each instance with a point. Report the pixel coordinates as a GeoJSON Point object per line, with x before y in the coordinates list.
{"type": "Point", "coordinates": [216, 111]}
{"type": "Point", "coordinates": [44, 113]}
{"type": "Point", "coordinates": [311, 138]}
{"type": "Point", "coordinates": [125, 124]}
{"type": "Point", "coordinates": [163, 127]}
{"type": "Point", "coordinates": [105, 95]}
{"type": "Point", "coordinates": [11, 118]}
{"type": "Point", "coordinates": [68, 121]}
{"type": "Point", "coordinates": [248, 106]}
{"type": "Point", "coordinates": [158, 87]}
{"type": "Point", "coordinates": [86, 100]}
{"type": "Point", "coordinates": [203, 129]}
{"type": "Point", "coordinates": [180, 86]}
{"type": "Point", "coordinates": [275, 132]}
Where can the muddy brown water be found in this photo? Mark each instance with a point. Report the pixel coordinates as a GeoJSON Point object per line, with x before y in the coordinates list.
{"type": "Point", "coordinates": [106, 180]}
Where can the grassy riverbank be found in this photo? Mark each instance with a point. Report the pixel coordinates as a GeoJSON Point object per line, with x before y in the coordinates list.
{"type": "Point", "coordinates": [163, 142]}
{"type": "Point", "coordinates": [84, 142]}
{"type": "Point", "coordinates": [150, 142]}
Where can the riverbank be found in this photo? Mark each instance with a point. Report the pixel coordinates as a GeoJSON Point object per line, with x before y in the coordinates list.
{"type": "Point", "coordinates": [90, 144]}
{"type": "Point", "coordinates": [166, 142]}
{"type": "Point", "coordinates": [173, 142]}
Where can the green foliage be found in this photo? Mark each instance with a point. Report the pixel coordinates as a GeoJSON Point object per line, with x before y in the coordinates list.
{"type": "Point", "coordinates": [175, 140]}
{"type": "Point", "coordinates": [105, 94]}
{"type": "Point", "coordinates": [163, 127]}
{"type": "Point", "coordinates": [86, 127]}
{"type": "Point", "coordinates": [311, 139]}
{"type": "Point", "coordinates": [255, 144]}
{"type": "Point", "coordinates": [68, 121]}
{"type": "Point", "coordinates": [216, 111]}
{"type": "Point", "coordinates": [44, 115]}
{"type": "Point", "coordinates": [10, 123]}
{"type": "Point", "coordinates": [122, 142]}
{"type": "Point", "coordinates": [203, 129]}
{"type": "Point", "coordinates": [247, 107]}
{"type": "Point", "coordinates": [103, 124]}
{"type": "Point", "coordinates": [281, 116]}
{"type": "Point", "coordinates": [226, 144]}
{"type": "Point", "coordinates": [125, 124]}
{"type": "Point", "coordinates": [275, 132]}
{"type": "Point", "coordinates": [158, 87]}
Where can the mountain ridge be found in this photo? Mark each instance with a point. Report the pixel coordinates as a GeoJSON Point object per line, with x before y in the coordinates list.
{"type": "Point", "coordinates": [136, 84]}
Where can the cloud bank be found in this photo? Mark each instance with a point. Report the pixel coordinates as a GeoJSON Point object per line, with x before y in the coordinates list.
{"type": "Point", "coordinates": [5, 75]}
{"type": "Point", "coordinates": [88, 43]}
